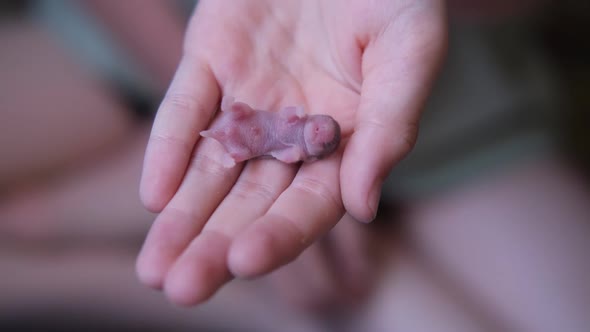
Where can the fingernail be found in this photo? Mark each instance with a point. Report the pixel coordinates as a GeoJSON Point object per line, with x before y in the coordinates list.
{"type": "Point", "coordinates": [373, 202]}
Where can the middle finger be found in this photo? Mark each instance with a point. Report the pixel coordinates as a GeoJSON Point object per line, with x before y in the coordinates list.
{"type": "Point", "coordinates": [202, 268]}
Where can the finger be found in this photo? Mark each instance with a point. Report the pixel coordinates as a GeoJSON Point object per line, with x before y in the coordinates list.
{"type": "Point", "coordinates": [308, 208]}
{"type": "Point", "coordinates": [204, 187]}
{"type": "Point", "coordinates": [310, 282]}
{"type": "Point", "coordinates": [200, 271]}
{"type": "Point", "coordinates": [398, 69]}
{"type": "Point", "coordinates": [186, 110]}
{"type": "Point", "coordinates": [335, 271]}
{"type": "Point", "coordinates": [202, 268]}
{"type": "Point", "coordinates": [257, 188]}
{"type": "Point", "coordinates": [349, 245]}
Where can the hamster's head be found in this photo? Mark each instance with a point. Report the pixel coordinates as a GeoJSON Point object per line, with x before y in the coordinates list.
{"type": "Point", "coordinates": [322, 135]}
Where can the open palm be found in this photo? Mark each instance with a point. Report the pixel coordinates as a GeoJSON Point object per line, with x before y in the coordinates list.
{"type": "Point", "coordinates": [369, 64]}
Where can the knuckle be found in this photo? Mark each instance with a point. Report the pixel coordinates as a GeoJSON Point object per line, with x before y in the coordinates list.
{"type": "Point", "coordinates": [399, 138]}
{"type": "Point", "coordinates": [246, 189]}
{"type": "Point", "coordinates": [174, 222]}
{"type": "Point", "coordinates": [370, 124]}
{"type": "Point", "coordinates": [208, 166]}
{"type": "Point", "coordinates": [172, 141]}
{"type": "Point", "coordinates": [319, 190]}
{"type": "Point", "coordinates": [175, 102]}
{"type": "Point", "coordinates": [169, 139]}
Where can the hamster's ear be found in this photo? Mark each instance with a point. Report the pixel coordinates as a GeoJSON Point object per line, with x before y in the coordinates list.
{"type": "Point", "coordinates": [292, 113]}
{"type": "Point", "coordinates": [240, 111]}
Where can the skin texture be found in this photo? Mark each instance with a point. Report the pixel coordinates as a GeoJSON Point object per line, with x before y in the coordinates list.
{"type": "Point", "coordinates": [288, 135]}
{"type": "Point", "coordinates": [367, 64]}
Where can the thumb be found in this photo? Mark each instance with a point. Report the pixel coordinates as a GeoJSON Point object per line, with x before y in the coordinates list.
{"type": "Point", "coordinates": [399, 67]}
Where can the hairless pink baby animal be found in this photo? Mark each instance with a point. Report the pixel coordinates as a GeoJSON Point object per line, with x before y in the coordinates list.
{"type": "Point", "coordinates": [288, 135]}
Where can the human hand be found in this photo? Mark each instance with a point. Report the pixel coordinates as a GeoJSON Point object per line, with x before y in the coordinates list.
{"type": "Point", "coordinates": [337, 272]}
{"type": "Point", "coordinates": [368, 64]}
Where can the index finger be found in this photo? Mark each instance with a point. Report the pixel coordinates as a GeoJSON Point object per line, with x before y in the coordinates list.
{"type": "Point", "coordinates": [186, 109]}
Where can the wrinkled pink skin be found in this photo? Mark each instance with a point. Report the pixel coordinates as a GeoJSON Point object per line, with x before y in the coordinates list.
{"type": "Point", "coordinates": [288, 135]}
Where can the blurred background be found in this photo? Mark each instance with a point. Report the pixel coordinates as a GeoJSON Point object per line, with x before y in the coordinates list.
{"type": "Point", "coordinates": [491, 209]}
